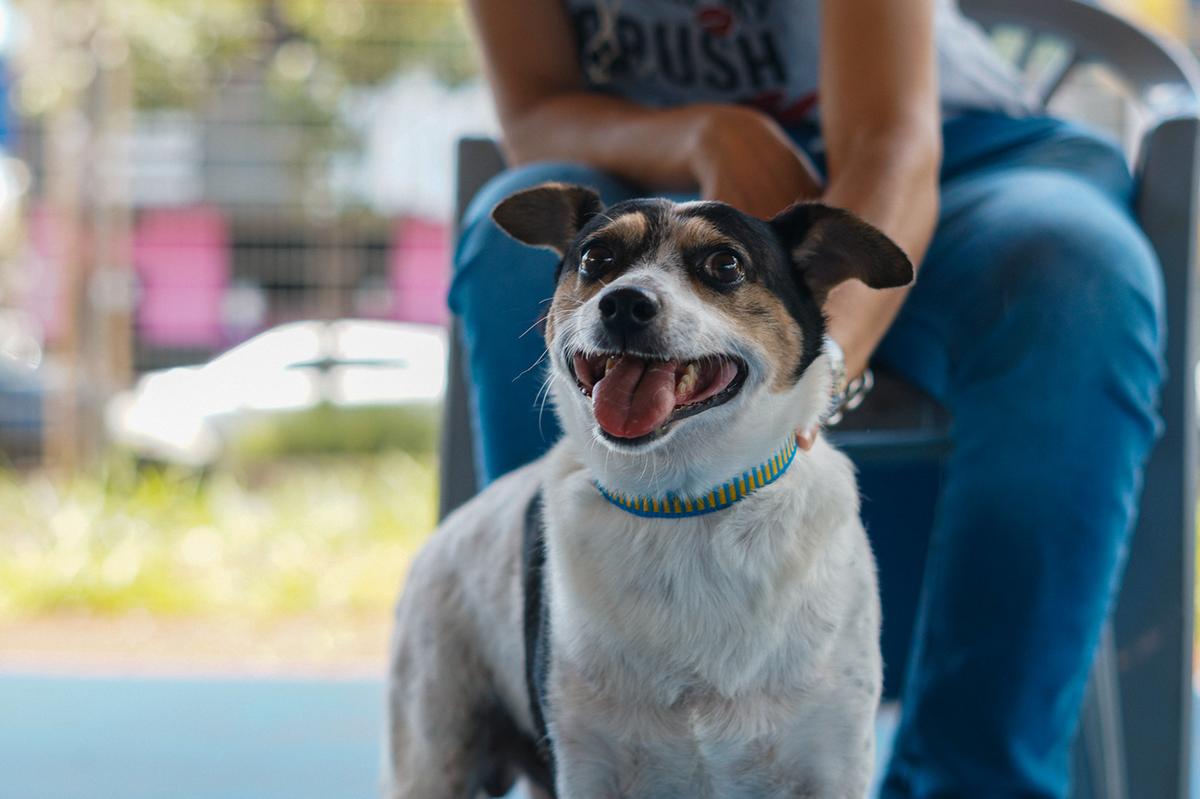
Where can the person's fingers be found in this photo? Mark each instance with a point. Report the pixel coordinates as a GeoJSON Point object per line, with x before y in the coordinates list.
{"type": "Point", "coordinates": [806, 437]}
{"type": "Point", "coordinates": [762, 189]}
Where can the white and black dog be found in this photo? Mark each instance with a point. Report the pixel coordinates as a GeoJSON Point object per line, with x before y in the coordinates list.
{"type": "Point", "coordinates": [673, 602]}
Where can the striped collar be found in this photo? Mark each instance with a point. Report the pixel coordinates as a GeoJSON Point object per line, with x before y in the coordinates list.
{"type": "Point", "coordinates": [719, 498]}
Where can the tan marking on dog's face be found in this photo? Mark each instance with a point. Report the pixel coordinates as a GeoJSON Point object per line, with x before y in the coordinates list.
{"type": "Point", "coordinates": [630, 229]}
{"type": "Point", "coordinates": [759, 316]}
{"type": "Point", "coordinates": [571, 292]}
{"type": "Point", "coordinates": [696, 233]}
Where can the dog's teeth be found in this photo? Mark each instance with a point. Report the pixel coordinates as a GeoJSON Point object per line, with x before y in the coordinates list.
{"type": "Point", "coordinates": [610, 363]}
{"type": "Point", "coordinates": [687, 382]}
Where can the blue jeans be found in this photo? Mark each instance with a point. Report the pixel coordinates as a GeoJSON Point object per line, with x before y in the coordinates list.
{"type": "Point", "coordinates": [1037, 321]}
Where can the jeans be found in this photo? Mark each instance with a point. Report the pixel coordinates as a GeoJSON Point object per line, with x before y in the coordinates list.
{"type": "Point", "coordinates": [1037, 321]}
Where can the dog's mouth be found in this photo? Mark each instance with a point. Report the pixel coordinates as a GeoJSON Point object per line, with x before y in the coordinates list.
{"type": "Point", "coordinates": [636, 398]}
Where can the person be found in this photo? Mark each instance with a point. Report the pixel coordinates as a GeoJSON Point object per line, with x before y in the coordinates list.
{"type": "Point", "coordinates": [1036, 317]}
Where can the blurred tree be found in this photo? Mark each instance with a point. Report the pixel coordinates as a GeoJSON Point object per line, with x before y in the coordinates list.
{"type": "Point", "coordinates": [307, 50]}
{"type": "Point", "coordinates": [371, 39]}
{"type": "Point", "coordinates": [183, 49]}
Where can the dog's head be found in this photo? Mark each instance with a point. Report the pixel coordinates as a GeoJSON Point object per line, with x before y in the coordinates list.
{"type": "Point", "coordinates": [683, 337]}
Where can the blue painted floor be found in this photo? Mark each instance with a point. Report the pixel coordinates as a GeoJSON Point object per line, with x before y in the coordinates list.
{"type": "Point", "coordinates": [64, 738]}
{"type": "Point", "coordinates": [68, 738]}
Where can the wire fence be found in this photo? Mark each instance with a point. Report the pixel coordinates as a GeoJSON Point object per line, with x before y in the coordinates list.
{"type": "Point", "coordinates": [188, 175]}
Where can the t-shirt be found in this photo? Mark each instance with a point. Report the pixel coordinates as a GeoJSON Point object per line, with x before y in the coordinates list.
{"type": "Point", "coordinates": [763, 53]}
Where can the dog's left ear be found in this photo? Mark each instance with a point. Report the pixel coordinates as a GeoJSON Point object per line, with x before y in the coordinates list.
{"type": "Point", "coordinates": [549, 215]}
{"type": "Point", "coordinates": [829, 246]}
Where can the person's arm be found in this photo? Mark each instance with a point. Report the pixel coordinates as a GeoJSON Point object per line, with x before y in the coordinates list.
{"type": "Point", "coordinates": [879, 110]}
{"type": "Point", "coordinates": [882, 128]}
{"type": "Point", "coordinates": [731, 153]}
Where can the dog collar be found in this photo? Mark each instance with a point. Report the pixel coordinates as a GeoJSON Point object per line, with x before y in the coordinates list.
{"type": "Point", "coordinates": [719, 498]}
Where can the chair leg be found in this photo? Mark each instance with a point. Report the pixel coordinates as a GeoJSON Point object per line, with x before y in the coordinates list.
{"type": "Point", "coordinates": [457, 450]}
{"type": "Point", "coordinates": [1099, 771]}
{"type": "Point", "coordinates": [1153, 621]}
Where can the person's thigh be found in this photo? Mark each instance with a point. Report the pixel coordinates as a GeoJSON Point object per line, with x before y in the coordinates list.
{"type": "Point", "coordinates": [501, 291]}
{"type": "Point", "coordinates": [1043, 231]}
{"type": "Point", "coordinates": [1037, 320]}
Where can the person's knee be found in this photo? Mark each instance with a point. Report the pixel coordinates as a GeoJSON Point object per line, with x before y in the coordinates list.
{"type": "Point", "coordinates": [513, 180]}
{"type": "Point", "coordinates": [487, 263]}
{"type": "Point", "coordinates": [481, 241]}
{"type": "Point", "coordinates": [1069, 275]}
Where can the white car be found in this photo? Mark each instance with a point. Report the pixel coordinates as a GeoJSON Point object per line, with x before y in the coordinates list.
{"type": "Point", "coordinates": [183, 415]}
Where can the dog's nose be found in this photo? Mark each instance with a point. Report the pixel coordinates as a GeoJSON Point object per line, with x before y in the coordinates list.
{"type": "Point", "coordinates": [628, 310]}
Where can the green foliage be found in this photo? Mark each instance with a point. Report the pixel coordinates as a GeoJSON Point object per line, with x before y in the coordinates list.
{"type": "Point", "coordinates": [309, 51]}
{"type": "Point", "coordinates": [181, 48]}
{"type": "Point", "coordinates": [328, 429]}
{"type": "Point", "coordinates": [371, 39]}
{"type": "Point", "coordinates": [328, 535]}
{"type": "Point", "coordinates": [183, 54]}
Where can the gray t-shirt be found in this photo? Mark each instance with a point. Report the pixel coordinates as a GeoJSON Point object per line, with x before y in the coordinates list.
{"type": "Point", "coordinates": [763, 53]}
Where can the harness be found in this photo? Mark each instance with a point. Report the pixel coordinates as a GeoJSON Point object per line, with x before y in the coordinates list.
{"type": "Point", "coordinates": [536, 617]}
{"type": "Point", "coordinates": [537, 629]}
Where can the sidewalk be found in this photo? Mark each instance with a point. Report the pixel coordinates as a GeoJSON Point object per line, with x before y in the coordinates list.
{"type": "Point", "coordinates": [83, 738]}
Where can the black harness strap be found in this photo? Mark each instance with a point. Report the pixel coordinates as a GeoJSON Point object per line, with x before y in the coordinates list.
{"type": "Point", "coordinates": [537, 628]}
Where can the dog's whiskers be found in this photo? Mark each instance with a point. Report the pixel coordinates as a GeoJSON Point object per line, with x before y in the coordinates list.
{"type": "Point", "coordinates": [544, 393]}
{"type": "Point", "coordinates": [536, 322]}
{"type": "Point", "coordinates": [533, 365]}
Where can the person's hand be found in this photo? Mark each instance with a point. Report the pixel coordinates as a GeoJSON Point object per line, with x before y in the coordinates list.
{"type": "Point", "coordinates": [742, 157]}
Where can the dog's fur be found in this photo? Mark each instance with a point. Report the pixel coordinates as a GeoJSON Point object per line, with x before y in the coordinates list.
{"type": "Point", "coordinates": [733, 654]}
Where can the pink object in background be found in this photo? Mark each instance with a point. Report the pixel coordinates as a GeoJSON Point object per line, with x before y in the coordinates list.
{"type": "Point", "coordinates": [43, 294]}
{"type": "Point", "coordinates": [419, 264]}
{"type": "Point", "coordinates": [182, 257]}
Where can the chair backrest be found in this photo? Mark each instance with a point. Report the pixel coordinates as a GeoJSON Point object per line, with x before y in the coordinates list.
{"type": "Point", "coordinates": [1068, 34]}
{"type": "Point", "coordinates": [479, 160]}
{"type": "Point", "coordinates": [1154, 617]}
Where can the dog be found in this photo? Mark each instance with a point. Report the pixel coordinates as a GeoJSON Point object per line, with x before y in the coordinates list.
{"type": "Point", "coordinates": [675, 600]}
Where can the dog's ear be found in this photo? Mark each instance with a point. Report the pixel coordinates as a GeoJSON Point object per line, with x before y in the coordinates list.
{"type": "Point", "coordinates": [829, 246]}
{"type": "Point", "coordinates": [549, 215]}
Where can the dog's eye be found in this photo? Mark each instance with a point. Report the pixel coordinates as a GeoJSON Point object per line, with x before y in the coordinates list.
{"type": "Point", "coordinates": [724, 267]}
{"type": "Point", "coordinates": [596, 260]}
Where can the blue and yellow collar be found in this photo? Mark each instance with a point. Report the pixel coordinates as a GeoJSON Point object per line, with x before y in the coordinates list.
{"type": "Point", "coordinates": [721, 497]}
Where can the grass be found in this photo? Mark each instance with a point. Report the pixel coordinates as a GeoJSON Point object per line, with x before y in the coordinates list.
{"type": "Point", "coordinates": [268, 538]}
{"type": "Point", "coordinates": [330, 430]}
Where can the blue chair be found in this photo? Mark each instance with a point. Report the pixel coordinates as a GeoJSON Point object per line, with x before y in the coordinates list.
{"type": "Point", "coordinates": [1135, 736]}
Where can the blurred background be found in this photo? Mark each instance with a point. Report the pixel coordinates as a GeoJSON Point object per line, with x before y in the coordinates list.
{"type": "Point", "coordinates": [225, 231]}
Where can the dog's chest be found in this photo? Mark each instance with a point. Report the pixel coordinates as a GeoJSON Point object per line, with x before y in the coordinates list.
{"type": "Point", "coordinates": [709, 656]}
{"type": "Point", "coordinates": [756, 747]}
{"type": "Point", "coordinates": [731, 602]}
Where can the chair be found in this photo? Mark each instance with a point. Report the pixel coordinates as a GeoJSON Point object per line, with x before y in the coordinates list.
{"type": "Point", "coordinates": [1135, 737]}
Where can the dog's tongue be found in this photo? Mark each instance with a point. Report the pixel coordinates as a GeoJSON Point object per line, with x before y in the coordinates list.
{"type": "Point", "coordinates": [635, 397]}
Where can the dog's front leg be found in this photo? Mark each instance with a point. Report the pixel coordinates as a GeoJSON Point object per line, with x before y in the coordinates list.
{"type": "Point", "coordinates": [437, 733]}
{"type": "Point", "coordinates": [583, 771]}
{"type": "Point", "coordinates": [432, 750]}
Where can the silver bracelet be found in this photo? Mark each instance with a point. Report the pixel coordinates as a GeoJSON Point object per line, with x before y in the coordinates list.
{"type": "Point", "coordinates": [847, 394]}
